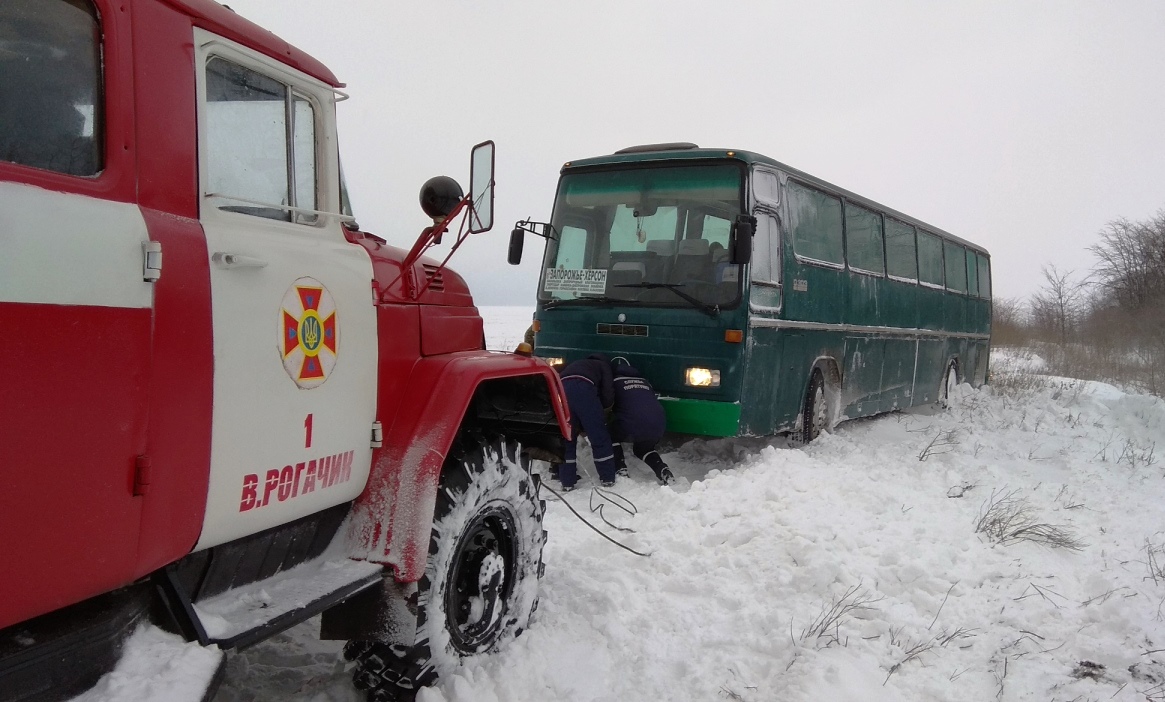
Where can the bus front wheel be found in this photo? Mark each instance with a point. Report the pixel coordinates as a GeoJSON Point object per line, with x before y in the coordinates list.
{"type": "Point", "coordinates": [815, 412]}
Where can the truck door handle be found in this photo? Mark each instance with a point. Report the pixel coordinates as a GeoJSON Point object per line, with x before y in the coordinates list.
{"type": "Point", "coordinates": [230, 260]}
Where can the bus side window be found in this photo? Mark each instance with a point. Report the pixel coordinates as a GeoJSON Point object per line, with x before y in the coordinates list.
{"type": "Point", "coordinates": [50, 80]}
{"type": "Point", "coordinates": [984, 276]}
{"type": "Point", "coordinates": [815, 220]}
{"type": "Point", "coordinates": [766, 187]}
{"type": "Point", "coordinates": [956, 261]}
{"type": "Point", "coordinates": [863, 234]}
{"type": "Point", "coordinates": [972, 275]}
{"type": "Point", "coordinates": [901, 253]}
{"type": "Point", "coordinates": [930, 259]}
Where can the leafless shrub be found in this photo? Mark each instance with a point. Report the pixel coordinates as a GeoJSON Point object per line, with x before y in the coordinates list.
{"type": "Point", "coordinates": [827, 624]}
{"type": "Point", "coordinates": [1102, 453]}
{"type": "Point", "coordinates": [1068, 501]}
{"type": "Point", "coordinates": [959, 634]}
{"type": "Point", "coordinates": [913, 651]}
{"type": "Point", "coordinates": [944, 441]}
{"type": "Point", "coordinates": [1088, 669]}
{"type": "Point", "coordinates": [1057, 308]}
{"type": "Point", "coordinates": [733, 694]}
{"type": "Point", "coordinates": [1103, 597]}
{"type": "Point", "coordinates": [1008, 322]}
{"type": "Point", "coordinates": [1006, 518]}
{"type": "Point", "coordinates": [1154, 562]}
{"type": "Point", "coordinates": [1017, 382]}
{"type": "Point", "coordinates": [916, 649]}
{"type": "Point", "coordinates": [1136, 455]}
{"type": "Point", "coordinates": [1042, 592]}
{"type": "Point", "coordinates": [1000, 678]}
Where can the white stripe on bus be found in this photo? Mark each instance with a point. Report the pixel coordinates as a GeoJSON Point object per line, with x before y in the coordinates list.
{"type": "Point", "coordinates": [825, 326]}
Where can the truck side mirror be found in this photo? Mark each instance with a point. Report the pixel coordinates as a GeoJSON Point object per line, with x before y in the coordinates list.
{"type": "Point", "coordinates": [517, 241]}
{"type": "Point", "coordinates": [740, 240]}
{"type": "Point", "coordinates": [481, 188]}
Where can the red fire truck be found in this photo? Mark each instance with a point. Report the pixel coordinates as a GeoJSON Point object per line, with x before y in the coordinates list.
{"type": "Point", "coordinates": [217, 386]}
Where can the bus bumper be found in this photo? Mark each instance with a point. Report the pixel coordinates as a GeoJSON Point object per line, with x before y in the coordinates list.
{"type": "Point", "coordinates": [706, 417]}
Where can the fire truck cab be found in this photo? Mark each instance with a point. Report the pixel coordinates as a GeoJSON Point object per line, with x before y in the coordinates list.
{"type": "Point", "coordinates": [217, 381]}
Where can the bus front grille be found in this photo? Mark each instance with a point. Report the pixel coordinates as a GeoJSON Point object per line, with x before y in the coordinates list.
{"type": "Point", "coordinates": [621, 329]}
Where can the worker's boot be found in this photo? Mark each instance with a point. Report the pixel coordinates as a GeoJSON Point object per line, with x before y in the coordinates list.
{"type": "Point", "coordinates": [662, 472]}
{"type": "Point", "coordinates": [620, 460]}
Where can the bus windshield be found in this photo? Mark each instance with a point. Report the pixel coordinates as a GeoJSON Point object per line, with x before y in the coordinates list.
{"type": "Point", "coordinates": [652, 236]}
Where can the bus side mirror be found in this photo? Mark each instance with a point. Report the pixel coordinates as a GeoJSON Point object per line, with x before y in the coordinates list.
{"type": "Point", "coordinates": [517, 241]}
{"type": "Point", "coordinates": [740, 241]}
{"type": "Point", "coordinates": [481, 188]}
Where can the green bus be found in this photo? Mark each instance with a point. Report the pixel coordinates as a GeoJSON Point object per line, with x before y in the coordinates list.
{"type": "Point", "coordinates": [756, 298]}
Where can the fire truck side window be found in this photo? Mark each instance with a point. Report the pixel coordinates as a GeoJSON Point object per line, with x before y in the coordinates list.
{"type": "Point", "coordinates": [50, 85]}
{"type": "Point", "coordinates": [261, 144]}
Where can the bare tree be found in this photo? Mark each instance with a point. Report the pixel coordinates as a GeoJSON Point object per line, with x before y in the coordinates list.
{"type": "Point", "coordinates": [1008, 326]}
{"type": "Point", "coordinates": [1130, 305]}
{"type": "Point", "coordinates": [1131, 265]}
{"type": "Point", "coordinates": [1057, 306]}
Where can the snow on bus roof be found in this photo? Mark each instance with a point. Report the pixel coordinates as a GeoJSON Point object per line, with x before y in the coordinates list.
{"type": "Point", "coordinates": [222, 20]}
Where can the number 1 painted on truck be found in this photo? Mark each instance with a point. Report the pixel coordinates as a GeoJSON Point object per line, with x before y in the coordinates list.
{"type": "Point", "coordinates": [307, 431]}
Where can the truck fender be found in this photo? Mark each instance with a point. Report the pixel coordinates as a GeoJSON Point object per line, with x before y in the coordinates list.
{"type": "Point", "coordinates": [392, 519]}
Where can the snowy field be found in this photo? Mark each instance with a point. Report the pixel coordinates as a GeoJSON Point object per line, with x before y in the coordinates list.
{"type": "Point", "coordinates": [850, 569]}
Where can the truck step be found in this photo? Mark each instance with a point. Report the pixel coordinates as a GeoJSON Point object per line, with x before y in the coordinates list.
{"type": "Point", "coordinates": [245, 615]}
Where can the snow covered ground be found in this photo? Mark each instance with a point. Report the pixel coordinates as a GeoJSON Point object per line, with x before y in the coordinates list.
{"type": "Point", "coordinates": [849, 569]}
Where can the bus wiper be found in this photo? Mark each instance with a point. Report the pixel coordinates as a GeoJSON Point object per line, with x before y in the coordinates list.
{"type": "Point", "coordinates": [589, 300]}
{"type": "Point", "coordinates": [710, 310]}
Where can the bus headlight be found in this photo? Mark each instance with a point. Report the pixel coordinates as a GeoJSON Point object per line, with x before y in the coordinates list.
{"type": "Point", "coordinates": [555, 361]}
{"type": "Point", "coordinates": [702, 378]}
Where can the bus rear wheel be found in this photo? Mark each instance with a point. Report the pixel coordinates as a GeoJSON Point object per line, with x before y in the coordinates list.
{"type": "Point", "coordinates": [814, 415]}
{"type": "Point", "coordinates": [481, 582]}
{"type": "Point", "coordinates": [950, 381]}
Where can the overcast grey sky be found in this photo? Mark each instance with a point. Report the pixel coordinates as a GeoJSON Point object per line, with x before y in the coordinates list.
{"type": "Point", "coordinates": [1022, 126]}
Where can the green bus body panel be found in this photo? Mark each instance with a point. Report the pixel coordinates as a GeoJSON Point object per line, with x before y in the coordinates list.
{"type": "Point", "coordinates": [883, 343]}
{"type": "Point", "coordinates": [702, 417]}
{"type": "Point", "coordinates": [677, 339]}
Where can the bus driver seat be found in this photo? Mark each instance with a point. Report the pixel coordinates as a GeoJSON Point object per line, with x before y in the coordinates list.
{"type": "Point", "coordinates": [659, 265]}
{"type": "Point", "coordinates": [693, 262]}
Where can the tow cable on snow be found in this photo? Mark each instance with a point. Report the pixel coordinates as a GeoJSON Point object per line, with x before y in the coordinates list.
{"type": "Point", "coordinates": [614, 498]}
{"type": "Point", "coordinates": [604, 495]}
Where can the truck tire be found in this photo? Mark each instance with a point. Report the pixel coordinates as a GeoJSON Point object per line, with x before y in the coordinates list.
{"type": "Point", "coordinates": [481, 581]}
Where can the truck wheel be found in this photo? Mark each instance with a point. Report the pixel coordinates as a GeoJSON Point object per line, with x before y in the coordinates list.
{"type": "Point", "coordinates": [814, 413]}
{"type": "Point", "coordinates": [481, 581]}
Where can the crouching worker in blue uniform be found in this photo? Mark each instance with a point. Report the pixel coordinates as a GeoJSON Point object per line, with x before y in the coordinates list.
{"type": "Point", "coordinates": [639, 418]}
{"type": "Point", "coordinates": [589, 393]}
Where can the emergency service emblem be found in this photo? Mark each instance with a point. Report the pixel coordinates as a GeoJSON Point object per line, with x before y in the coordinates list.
{"type": "Point", "coordinates": [309, 333]}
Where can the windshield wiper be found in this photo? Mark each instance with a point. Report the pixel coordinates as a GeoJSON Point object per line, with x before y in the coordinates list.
{"type": "Point", "coordinates": [710, 310]}
{"type": "Point", "coordinates": [593, 300]}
